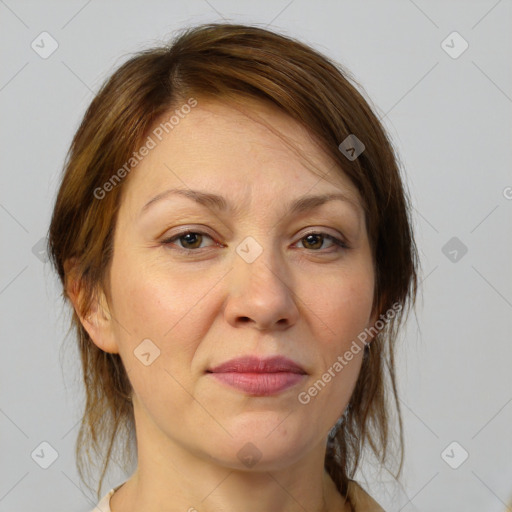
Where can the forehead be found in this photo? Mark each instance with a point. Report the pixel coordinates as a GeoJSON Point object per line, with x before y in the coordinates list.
{"type": "Point", "coordinates": [235, 149]}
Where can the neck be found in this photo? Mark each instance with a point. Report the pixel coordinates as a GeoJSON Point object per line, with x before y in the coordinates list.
{"type": "Point", "coordinates": [266, 491]}
{"type": "Point", "coordinates": [172, 476]}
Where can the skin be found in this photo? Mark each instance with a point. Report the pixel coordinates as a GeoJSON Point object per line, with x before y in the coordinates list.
{"type": "Point", "coordinates": [306, 301]}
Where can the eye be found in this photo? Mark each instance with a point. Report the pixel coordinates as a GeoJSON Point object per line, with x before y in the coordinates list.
{"type": "Point", "coordinates": [189, 240]}
{"type": "Point", "coordinates": [315, 240]}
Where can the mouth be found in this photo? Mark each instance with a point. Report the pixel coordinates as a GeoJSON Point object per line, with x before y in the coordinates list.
{"type": "Point", "coordinates": [259, 377]}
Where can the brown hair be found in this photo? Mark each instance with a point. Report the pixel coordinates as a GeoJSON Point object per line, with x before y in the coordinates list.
{"type": "Point", "coordinates": [222, 61]}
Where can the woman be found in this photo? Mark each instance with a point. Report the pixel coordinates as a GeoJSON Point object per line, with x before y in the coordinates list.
{"type": "Point", "coordinates": [234, 236]}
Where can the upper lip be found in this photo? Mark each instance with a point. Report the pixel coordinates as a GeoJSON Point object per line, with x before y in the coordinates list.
{"type": "Point", "coordinates": [254, 364]}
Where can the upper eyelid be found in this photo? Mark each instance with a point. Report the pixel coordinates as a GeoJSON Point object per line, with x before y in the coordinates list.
{"type": "Point", "coordinates": [203, 231]}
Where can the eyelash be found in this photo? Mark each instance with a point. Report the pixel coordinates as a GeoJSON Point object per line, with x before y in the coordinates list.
{"type": "Point", "coordinates": [341, 245]}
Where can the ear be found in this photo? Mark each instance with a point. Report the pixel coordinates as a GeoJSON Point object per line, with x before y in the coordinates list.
{"type": "Point", "coordinates": [97, 321]}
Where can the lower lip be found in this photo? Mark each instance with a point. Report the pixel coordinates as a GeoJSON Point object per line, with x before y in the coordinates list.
{"type": "Point", "coordinates": [260, 384]}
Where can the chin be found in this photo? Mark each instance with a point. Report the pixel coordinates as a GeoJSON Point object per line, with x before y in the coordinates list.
{"type": "Point", "coordinates": [256, 450]}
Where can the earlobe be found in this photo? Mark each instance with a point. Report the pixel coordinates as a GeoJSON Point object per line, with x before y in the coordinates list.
{"type": "Point", "coordinates": [97, 320]}
{"type": "Point", "coordinates": [99, 325]}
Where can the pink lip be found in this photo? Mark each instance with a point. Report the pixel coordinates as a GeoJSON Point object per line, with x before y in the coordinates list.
{"type": "Point", "coordinates": [257, 376]}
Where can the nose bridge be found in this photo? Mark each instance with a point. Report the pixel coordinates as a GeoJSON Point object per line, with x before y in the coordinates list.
{"type": "Point", "coordinates": [260, 287]}
{"type": "Point", "coordinates": [259, 267]}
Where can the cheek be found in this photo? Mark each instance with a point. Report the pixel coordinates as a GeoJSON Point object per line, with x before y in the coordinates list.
{"type": "Point", "coordinates": [168, 310]}
{"type": "Point", "coordinates": [343, 306]}
{"type": "Point", "coordinates": [166, 307]}
{"type": "Point", "coordinates": [341, 313]}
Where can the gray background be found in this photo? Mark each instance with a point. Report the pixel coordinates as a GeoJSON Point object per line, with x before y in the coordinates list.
{"type": "Point", "coordinates": [450, 119]}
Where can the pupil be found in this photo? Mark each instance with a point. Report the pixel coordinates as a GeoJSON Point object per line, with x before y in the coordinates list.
{"type": "Point", "coordinates": [319, 237]}
{"type": "Point", "coordinates": [193, 235]}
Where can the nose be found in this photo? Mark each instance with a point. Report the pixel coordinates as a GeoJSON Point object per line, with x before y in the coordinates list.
{"type": "Point", "coordinates": [260, 294]}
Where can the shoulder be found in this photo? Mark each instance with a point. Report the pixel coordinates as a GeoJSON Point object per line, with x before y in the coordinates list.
{"type": "Point", "coordinates": [361, 500]}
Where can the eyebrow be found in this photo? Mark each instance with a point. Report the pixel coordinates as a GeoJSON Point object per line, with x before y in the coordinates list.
{"type": "Point", "coordinates": [219, 203]}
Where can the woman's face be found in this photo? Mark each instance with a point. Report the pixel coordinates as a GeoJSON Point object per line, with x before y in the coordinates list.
{"type": "Point", "coordinates": [252, 283]}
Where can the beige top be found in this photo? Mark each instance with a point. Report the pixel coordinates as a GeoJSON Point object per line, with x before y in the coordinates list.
{"type": "Point", "coordinates": [362, 501]}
